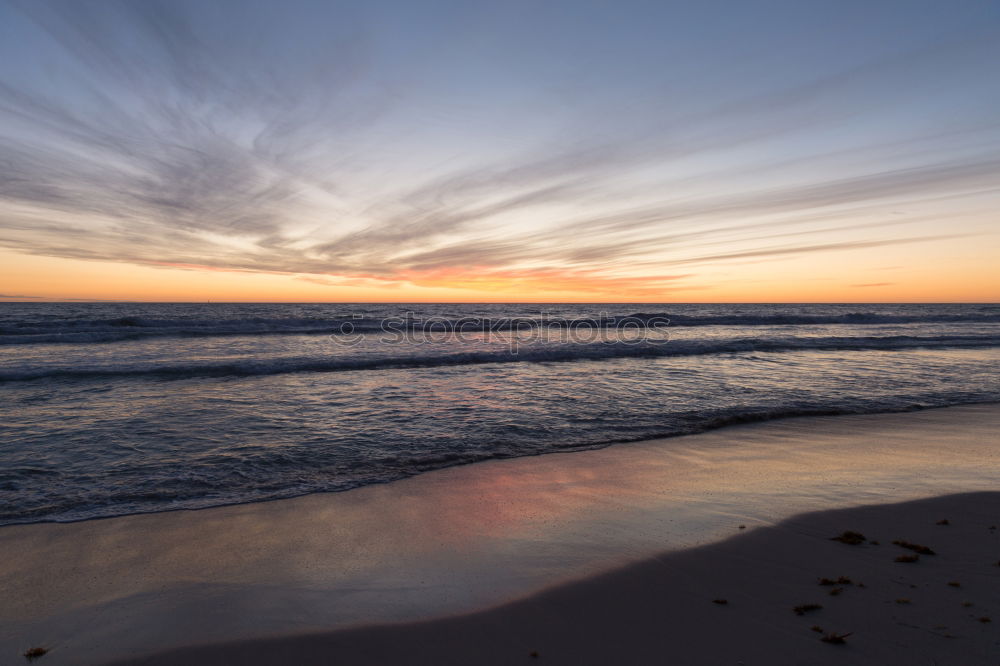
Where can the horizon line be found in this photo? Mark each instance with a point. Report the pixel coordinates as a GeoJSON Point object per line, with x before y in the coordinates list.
{"type": "Point", "coordinates": [223, 302]}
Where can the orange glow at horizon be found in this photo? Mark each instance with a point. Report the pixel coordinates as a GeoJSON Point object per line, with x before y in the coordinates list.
{"type": "Point", "coordinates": [412, 154]}
{"type": "Point", "coordinates": [26, 278]}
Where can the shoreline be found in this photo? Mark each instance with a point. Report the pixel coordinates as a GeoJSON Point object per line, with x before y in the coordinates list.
{"type": "Point", "coordinates": [460, 539]}
{"type": "Point", "coordinates": [726, 424]}
{"type": "Point", "coordinates": [770, 596]}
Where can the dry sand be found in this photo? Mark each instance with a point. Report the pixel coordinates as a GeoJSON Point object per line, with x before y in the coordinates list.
{"type": "Point", "coordinates": [942, 609]}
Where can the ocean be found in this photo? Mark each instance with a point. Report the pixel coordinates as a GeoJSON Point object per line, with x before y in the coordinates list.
{"type": "Point", "coordinates": [118, 408]}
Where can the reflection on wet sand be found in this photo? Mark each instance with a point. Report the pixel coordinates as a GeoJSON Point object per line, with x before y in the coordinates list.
{"type": "Point", "coordinates": [466, 537]}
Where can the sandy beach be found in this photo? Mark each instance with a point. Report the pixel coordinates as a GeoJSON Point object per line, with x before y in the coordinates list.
{"type": "Point", "coordinates": [607, 556]}
{"type": "Point", "coordinates": [496, 333]}
{"type": "Point", "coordinates": [786, 594]}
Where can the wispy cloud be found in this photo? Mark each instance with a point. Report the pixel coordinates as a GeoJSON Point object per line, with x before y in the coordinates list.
{"type": "Point", "coordinates": [180, 139]}
{"type": "Point", "coordinates": [807, 249]}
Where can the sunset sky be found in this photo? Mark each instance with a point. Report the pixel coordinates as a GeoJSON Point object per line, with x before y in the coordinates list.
{"type": "Point", "coordinates": [500, 151]}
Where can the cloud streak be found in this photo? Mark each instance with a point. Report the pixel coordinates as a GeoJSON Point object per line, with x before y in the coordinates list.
{"type": "Point", "coordinates": [174, 136]}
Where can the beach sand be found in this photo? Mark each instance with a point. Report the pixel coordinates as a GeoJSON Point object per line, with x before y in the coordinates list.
{"type": "Point", "coordinates": [732, 602]}
{"type": "Point", "coordinates": [366, 576]}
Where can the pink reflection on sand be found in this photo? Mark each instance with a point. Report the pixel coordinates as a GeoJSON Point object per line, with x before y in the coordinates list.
{"type": "Point", "coordinates": [469, 537]}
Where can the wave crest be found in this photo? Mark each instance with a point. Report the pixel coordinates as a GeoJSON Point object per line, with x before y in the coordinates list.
{"type": "Point", "coordinates": [547, 354]}
{"type": "Point", "coordinates": [49, 331]}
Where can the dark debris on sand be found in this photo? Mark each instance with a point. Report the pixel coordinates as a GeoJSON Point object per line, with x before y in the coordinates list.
{"type": "Point", "coordinates": [35, 653]}
{"type": "Point", "coordinates": [805, 608]}
{"type": "Point", "coordinates": [915, 547]}
{"type": "Point", "coordinates": [842, 580]}
{"type": "Point", "coordinates": [850, 538]}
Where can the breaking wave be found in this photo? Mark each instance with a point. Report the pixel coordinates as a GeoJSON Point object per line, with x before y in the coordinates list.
{"type": "Point", "coordinates": [545, 354]}
{"type": "Point", "coordinates": [133, 327]}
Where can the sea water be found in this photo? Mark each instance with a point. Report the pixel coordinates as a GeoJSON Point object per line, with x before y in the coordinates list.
{"type": "Point", "coordinates": [117, 408]}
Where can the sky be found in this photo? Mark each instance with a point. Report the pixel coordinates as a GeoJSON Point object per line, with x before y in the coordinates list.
{"type": "Point", "coordinates": [528, 151]}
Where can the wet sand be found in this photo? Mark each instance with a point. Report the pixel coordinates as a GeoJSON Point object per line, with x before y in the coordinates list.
{"type": "Point", "coordinates": [454, 542]}
{"type": "Point", "coordinates": [786, 594]}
